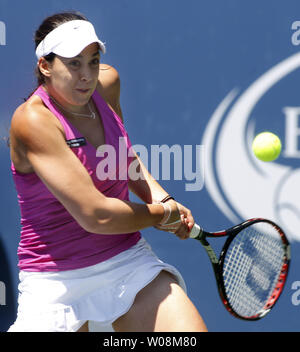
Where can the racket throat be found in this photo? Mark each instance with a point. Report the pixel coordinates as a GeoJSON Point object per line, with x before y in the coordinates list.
{"type": "Point", "coordinates": [210, 252]}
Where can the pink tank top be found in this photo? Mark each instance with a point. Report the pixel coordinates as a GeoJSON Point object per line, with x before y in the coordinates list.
{"type": "Point", "coordinates": [51, 240]}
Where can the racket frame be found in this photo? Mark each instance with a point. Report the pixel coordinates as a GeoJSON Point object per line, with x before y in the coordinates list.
{"type": "Point", "coordinates": [218, 264]}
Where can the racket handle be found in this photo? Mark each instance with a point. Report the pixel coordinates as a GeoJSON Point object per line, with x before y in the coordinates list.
{"type": "Point", "coordinates": [195, 231]}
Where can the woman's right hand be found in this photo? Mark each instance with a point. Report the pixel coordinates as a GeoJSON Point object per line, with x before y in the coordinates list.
{"type": "Point", "coordinates": [179, 220]}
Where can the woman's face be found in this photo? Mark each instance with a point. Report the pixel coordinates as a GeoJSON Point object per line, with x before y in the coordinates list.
{"type": "Point", "coordinates": [72, 81]}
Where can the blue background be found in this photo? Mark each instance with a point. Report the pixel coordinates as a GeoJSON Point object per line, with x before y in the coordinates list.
{"type": "Point", "coordinates": [177, 60]}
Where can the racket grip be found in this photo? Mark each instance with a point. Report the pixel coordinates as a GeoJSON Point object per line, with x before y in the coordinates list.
{"type": "Point", "coordinates": [195, 231]}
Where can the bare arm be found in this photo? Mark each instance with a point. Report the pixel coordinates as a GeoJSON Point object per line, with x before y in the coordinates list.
{"type": "Point", "coordinates": [146, 188]}
{"type": "Point", "coordinates": [150, 191]}
{"type": "Point", "coordinates": [109, 87]}
{"type": "Point", "coordinates": [64, 175]}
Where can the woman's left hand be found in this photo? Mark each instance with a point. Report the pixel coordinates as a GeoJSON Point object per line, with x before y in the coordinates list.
{"type": "Point", "coordinates": [184, 227]}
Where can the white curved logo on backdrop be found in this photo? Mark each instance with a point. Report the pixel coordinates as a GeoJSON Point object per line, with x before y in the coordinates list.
{"type": "Point", "coordinates": [240, 185]}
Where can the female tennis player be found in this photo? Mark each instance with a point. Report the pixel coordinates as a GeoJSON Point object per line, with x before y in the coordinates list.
{"type": "Point", "coordinates": [81, 254]}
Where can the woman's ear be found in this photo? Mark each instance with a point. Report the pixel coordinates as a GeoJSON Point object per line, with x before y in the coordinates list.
{"type": "Point", "coordinates": [44, 67]}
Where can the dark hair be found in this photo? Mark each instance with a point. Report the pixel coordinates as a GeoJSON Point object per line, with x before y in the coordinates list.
{"type": "Point", "coordinates": [46, 27]}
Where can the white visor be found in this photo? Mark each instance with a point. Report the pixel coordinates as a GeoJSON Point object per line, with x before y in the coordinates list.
{"type": "Point", "coordinates": [69, 39]}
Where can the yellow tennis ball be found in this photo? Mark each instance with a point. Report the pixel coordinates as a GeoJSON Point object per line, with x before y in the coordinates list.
{"type": "Point", "coordinates": [266, 146]}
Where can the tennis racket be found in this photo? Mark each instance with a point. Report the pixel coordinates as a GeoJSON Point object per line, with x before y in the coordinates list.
{"type": "Point", "coordinates": [252, 268]}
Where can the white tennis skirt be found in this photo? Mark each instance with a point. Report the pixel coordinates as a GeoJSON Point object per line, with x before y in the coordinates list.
{"type": "Point", "coordinates": [101, 293]}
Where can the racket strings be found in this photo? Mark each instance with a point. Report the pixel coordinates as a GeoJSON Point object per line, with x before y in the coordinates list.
{"type": "Point", "coordinates": [251, 269]}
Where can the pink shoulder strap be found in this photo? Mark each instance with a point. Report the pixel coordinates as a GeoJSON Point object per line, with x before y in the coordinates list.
{"type": "Point", "coordinates": [69, 130]}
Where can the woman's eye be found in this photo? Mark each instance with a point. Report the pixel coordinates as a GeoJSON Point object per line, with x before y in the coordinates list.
{"type": "Point", "coordinates": [95, 61]}
{"type": "Point", "coordinates": [74, 63]}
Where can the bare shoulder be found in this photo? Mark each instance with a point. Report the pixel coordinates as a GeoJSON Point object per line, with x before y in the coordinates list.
{"type": "Point", "coordinates": [33, 129]}
{"type": "Point", "coordinates": [31, 121]}
{"type": "Point", "coordinates": [109, 87]}
{"type": "Point", "coordinates": [108, 76]}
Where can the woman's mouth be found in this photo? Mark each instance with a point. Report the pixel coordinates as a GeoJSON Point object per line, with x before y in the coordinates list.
{"type": "Point", "coordinates": [83, 91]}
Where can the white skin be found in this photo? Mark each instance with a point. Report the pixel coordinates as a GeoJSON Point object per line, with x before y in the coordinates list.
{"type": "Point", "coordinates": [72, 81]}
{"type": "Point", "coordinates": [38, 140]}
